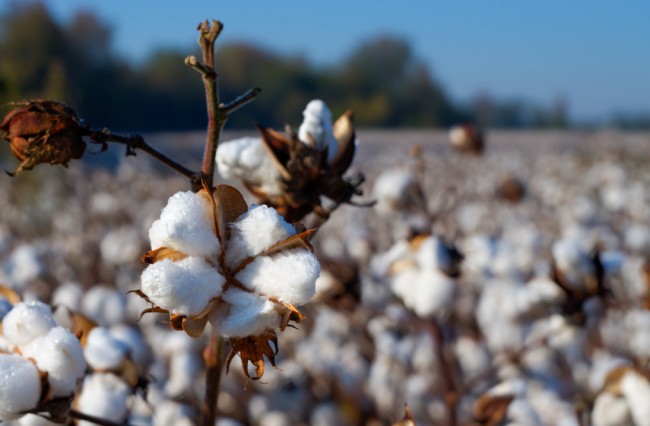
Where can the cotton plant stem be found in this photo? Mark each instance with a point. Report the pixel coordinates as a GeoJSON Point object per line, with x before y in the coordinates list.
{"type": "Point", "coordinates": [212, 356]}
{"type": "Point", "coordinates": [137, 142]}
{"type": "Point", "coordinates": [451, 393]}
{"type": "Point", "coordinates": [92, 419]}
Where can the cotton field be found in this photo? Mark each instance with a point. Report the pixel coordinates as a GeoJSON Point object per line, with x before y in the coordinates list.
{"type": "Point", "coordinates": [508, 286]}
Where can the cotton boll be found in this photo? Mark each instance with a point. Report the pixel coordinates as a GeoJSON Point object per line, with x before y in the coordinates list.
{"type": "Point", "coordinates": [317, 127]}
{"type": "Point", "coordinates": [68, 295]}
{"type": "Point", "coordinates": [636, 389]}
{"type": "Point", "coordinates": [104, 396]}
{"type": "Point", "coordinates": [186, 225]}
{"type": "Point", "coordinates": [59, 354]}
{"type": "Point", "coordinates": [20, 386]}
{"type": "Point", "coordinates": [27, 321]}
{"type": "Point", "coordinates": [102, 351]}
{"type": "Point", "coordinates": [173, 413]}
{"type": "Point", "coordinates": [574, 263]}
{"type": "Point", "coordinates": [427, 293]}
{"type": "Point", "coordinates": [247, 159]}
{"type": "Point", "coordinates": [255, 231]}
{"type": "Point", "coordinates": [289, 276]}
{"type": "Point", "coordinates": [120, 246]}
{"type": "Point", "coordinates": [183, 287]}
{"type": "Point", "coordinates": [610, 410]}
{"type": "Point", "coordinates": [184, 369]}
{"type": "Point", "coordinates": [133, 339]}
{"type": "Point", "coordinates": [327, 414]}
{"type": "Point", "coordinates": [34, 420]}
{"type": "Point", "coordinates": [24, 265]}
{"type": "Point", "coordinates": [104, 305]}
{"type": "Point", "coordinates": [395, 190]}
{"type": "Point", "coordinates": [247, 315]}
{"type": "Point", "coordinates": [637, 238]}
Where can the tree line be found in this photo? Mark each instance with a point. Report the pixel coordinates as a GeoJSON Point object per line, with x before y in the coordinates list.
{"type": "Point", "coordinates": [382, 80]}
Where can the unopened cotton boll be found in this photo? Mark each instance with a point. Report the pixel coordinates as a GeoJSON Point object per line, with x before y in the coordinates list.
{"type": "Point", "coordinates": [103, 351]}
{"type": "Point", "coordinates": [289, 276]}
{"type": "Point", "coordinates": [255, 231]}
{"type": "Point", "coordinates": [20, 386]}
{"type": "Point", "coordinates": [246, 159]}
{"type": "Point", "coordinates": [184, 286]}
{"type": "Point", "coordinates": [59, 354]}
{"type": "Point", "coordinates": [317, 127]}
{"type": "Point", "coordinates": [105, 396]}
{"type": "Point", "coordinates": [27, 321]}
{"type": "Point", "coordinates": [186, 225]}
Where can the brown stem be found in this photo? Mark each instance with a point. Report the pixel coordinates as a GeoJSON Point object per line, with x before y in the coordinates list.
{"type": "Point", "coordinates": [134, 142]}
{"type": "Point", "coordinates": [451, 393]}
{"type": "Point", "coordinates": [213, 367]}
{"type": "Point", "coordinates": [92, 419]}
{"type": "Point", "coordinates": [241, 101]}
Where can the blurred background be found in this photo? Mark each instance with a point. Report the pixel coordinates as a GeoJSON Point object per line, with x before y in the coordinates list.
{"type": "Point", "coordinates": [503, 64]}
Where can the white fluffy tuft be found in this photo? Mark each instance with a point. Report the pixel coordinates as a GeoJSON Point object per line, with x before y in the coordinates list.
{"type": "Point", "coordinates": [186, 225]}
{"type": "Point", "coordinates": [317, 126]}
{"type": "Point", "coordinates": [247, 315]}
{"type": "Point", "coordinates": [103, 351]}
{"type": "Point", "coordinates": [59, 354]}
{"type": "Point", "coordinates": [183, 287]}
{"type": "Point", "coordinates": [104, 305]}
{"type": "Point", "coordinates": [255, 231]}
{"type": "Point", "coordinates": [104, 396]}
{"type": "Point", "coordinates": [289, 276]}
{"type": "Point", "coordinates": [27, 321]}
{"type": "Point", "coordinates": [20, 386]}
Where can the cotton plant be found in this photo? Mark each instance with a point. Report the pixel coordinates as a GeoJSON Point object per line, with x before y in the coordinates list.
{"type": "Point", "coordinates": [242, 269]}
{"type": "Point", "coordinates": [42, 365]}
{"type": "Point", "coordinates": [295, 172]}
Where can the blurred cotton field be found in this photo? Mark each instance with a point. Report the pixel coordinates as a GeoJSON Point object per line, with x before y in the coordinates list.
{"type": "Point", "coordinates": [452, 295]}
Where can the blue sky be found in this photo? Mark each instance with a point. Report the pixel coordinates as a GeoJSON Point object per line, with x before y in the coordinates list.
{"type": "Point", "coordinates": [595, 53]}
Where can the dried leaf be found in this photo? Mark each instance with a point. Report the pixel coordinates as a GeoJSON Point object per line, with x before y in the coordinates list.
{"type": "Point", "coordinates": [176, 321]}
{"type": "Point", "coordinates": [491, 410]}
{"type": "Point", "coordinates": [81, 326]}
{"type": "Point", "coordinates": [253, 349]}
{"type": "Point", "coordinates": [194, 326]}
{"type": "Point", "coordinates": [11, 295]}
{"type": "Point", "coordinates": [408, 419]}
{"type": "Point", "coordinates": [153, 256]}
{"type": "Point", "coordinates": [344, 133]}
{"type": "Point", "coordinates": [278, 147]}
{"type": "Point", "coordinates": [228, 205]}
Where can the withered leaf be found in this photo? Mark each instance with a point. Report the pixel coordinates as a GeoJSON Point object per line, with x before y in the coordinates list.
{"type": "Point", "coordinates": [153, 256]}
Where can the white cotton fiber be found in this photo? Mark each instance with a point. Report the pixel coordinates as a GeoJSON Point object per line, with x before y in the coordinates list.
{"type": "Point", "coordinates": [289, 276]}
{"type": "Point", "coordinates": [172, 413]}
{"type": "Point", "coordinates": [186, 225]}
{"type": "Point", "coordinates": [391, 189]}
{"type": "Point", "coordinates": [104, 396]}
{"type": "Point", "coordinates": [24, 265]}
{"type": "Point", "coordinates": [255, 231]}
{"type": "Point", "coordinates": [248, 160]}
{"type": "Point", "coordinates": [59, 354]}
{"type": "Point", "coordinates": [183, 287]}
{"type": "Point", "coordinates": [133, 339]}
{"type": "Point", "coordinates": [317, 123]}
{"type": "Point", "coordinates": [122, 245]}
{"type": "Point", "coordinates": [427, 292]}
{"type": "Point", "coordinates": [68, 295]}
{"type": "Point", "coordinates": [104, 305]}
{"type": "Point", "coordinates": [247, 315]}
{"type": "Point", "coordinates": [27, 321]}
{"type": "Point", "coordinates": [103, 351]}
{"type": "Point", "coordinates": [636, 389]}
{"type": "Point", "coordinates": [573, 261]}
{"type": "Point", "coordinates": [20, 386]}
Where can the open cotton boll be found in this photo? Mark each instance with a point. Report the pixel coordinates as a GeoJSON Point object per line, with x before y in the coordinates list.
{"type": "Point", "coordinates": [34, 420]}
{"type": "Point", "coordinates": [133, 339]}
{"type": "Point", "coordinates": [289, 276]}
{"type": "Point", "coordinates": [68, 295]}
{"type": "Point", "coordinates": [317, 126]}
{"type": "Point", "coordinates": [27, 321]}
{"type": "Point", "coordinates": [172, 413]}
{"type": "Point", "coordinates": [255, 231]}
{"type": "Point", "coordinates": [184, 369]}
{"type": "Point", "coordinates": [248, 315]}
{"type": "Point", "coordinates": [611, 410]}
{"type": "Point", "coordinates": [59, 354]}
{"type": "Point", "coordinates": [120, 246]}
{"type": "Point", "coordinates": [105, 396]}
{"type": "Point", "coordinates": [427, 293]}
{"type": "Point", "coordinates": [391, 189]}
{"type": "Point", "coordinates": [636, 389]}
{"type": "Point", "coordinates": [104, 305]}
{"type": "Point", "coordinates": [186, 225]}
{"type": "Point", "coordinates": [103, 351]}
{"type": "Point", "coordinates": [24, 265]}
{"type": "Point", "coordinates": [573, 262]}
{"type": "Point", "coordinates": [246, 159]}
{"type": "Point", "coordinates": [183, 287]}
{"type": "Point", "coordinates": [20, 386]}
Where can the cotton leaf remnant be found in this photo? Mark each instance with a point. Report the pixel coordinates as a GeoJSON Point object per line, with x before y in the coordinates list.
{"type": "Point", "coordinates": [243, 269]}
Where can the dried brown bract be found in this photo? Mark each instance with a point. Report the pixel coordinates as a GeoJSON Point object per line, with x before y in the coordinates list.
{"type": "Point", "coordinates": [43, 131]}
{"type": "Point", "coordinates": [467, 138]}
{"type": "Point", "coordinates": [511, 189]}
{"type": "Point", "coordinates": [305, 173]}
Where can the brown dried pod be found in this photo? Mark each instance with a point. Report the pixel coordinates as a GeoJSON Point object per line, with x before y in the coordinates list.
{"type": "Point", "coordinates": [511, 189]}
{"type": "Point", "coordinates": [43, 131]}
{"type": "Point", "coordinates": [467, 138]}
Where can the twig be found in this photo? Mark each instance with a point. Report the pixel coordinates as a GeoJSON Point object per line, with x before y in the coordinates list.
{"type": "Point", "coordinates": [217, 113]}
{"type": "Point", "coordinates": [92, 419]}
{"type": "Point", "coordinates": [213, 367]}
{"type": "Point", "coordinates": [134, 142]}
{"type": "Point", "coordinates": [451, 393]}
